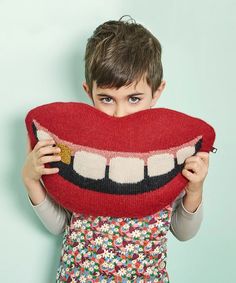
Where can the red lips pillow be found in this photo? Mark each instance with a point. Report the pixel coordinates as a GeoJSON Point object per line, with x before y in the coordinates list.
{"type": "Point", "coordinates": [117, 166]}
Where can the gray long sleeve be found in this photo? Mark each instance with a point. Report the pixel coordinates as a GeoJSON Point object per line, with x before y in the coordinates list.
{"type": "Point", "coordinates": [53, 216]}
{"type": "Point", "coordinates": [184, 224]}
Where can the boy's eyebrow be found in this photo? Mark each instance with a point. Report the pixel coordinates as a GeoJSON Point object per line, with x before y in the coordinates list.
{"type": "Point", "coordinates": [132, 94]}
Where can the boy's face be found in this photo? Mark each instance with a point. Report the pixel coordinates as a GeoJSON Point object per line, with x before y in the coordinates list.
{"type": "Point", "coordinates": [125, 100]}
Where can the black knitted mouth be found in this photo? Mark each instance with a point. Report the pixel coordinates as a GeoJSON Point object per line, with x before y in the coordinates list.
{"type": "Point", "coordinates": [106, 185]}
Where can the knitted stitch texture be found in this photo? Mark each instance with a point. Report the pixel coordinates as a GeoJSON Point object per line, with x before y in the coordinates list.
{"type": "Point", "coordinates": [126, 166]}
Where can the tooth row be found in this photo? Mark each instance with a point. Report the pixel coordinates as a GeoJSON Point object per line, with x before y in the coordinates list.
{"type": "Point", "coordinates": [124, 169]}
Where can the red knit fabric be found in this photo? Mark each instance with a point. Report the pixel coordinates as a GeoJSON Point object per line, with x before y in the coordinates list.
{"type": "Point", "coordinates": [117, 166]}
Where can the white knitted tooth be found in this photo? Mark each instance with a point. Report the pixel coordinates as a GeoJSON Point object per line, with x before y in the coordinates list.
{"type": "Point", "coordinates": [42, 135]}
{"type": "Point", "coordinates": [126, 169]}
{"type": "Point", "coordinates": [159, 164]}
{"type": "Point", "coordinates": [90, 165]}
{"type": "Point", "coordinates": [184, 153]}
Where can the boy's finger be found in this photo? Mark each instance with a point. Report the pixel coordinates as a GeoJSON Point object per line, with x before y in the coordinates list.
{"type": "Point", "coordinates": [192, 166]}
{"type": "Point", "coordinates": [44, 143]}
{"type": "Point", "coordinates": [49, 158]}
{"type": "Point", "coordinates": [48, 150]}
{"type": "Point", "coordinates": [204, 156]}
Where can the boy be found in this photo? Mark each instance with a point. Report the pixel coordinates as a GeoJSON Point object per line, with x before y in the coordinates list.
{"type": "Point", "coordinates": [123, 72]}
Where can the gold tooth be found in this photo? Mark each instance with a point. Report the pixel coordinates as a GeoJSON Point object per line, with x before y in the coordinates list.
{"type": "Point", "coordinates": [65, 153]}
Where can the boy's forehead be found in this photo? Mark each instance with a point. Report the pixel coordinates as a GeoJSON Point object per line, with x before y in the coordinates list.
{"type": "Point", "coordinates": [139, 86]}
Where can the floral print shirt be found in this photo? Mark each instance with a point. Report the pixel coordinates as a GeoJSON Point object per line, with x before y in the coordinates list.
{"type": "Point", "coordinates": [108, 249]}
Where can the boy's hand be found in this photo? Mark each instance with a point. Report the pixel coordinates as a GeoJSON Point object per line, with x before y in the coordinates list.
{"type": "Point", "coordinates": [195, 170]}
{"type": "Point", "coordinates": [34, 167]}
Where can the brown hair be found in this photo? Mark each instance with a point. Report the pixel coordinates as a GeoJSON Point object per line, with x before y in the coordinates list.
{"type": "Point", "coordinates": [120, 53]}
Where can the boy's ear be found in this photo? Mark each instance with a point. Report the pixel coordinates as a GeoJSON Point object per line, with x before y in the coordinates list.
{"type": "Point", "coordinates": [86, 88]}
{"type": "Point", "coordinates": [158, 93]}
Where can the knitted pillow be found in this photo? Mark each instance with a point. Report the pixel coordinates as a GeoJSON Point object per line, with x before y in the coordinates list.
{"type": "Point", "coordinates": [126, 166]}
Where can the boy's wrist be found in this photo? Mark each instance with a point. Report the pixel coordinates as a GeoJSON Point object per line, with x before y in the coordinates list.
{"type": "Point", "coordinates": [36, 191]}
{"type": "Point", "coordinates": [37, 197]}
{"type": "Point", "coordinates": [191, 201]}
{"type": "Point", "coordinates": [195, 195]}
{"type": "Point", "coordinates": [32, 185]}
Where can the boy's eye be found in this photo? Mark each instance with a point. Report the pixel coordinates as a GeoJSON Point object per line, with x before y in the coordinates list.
{"type": "Point", "coordinates": [133, 97]}
{"type": "Point", "coordinates": [104, 98]}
